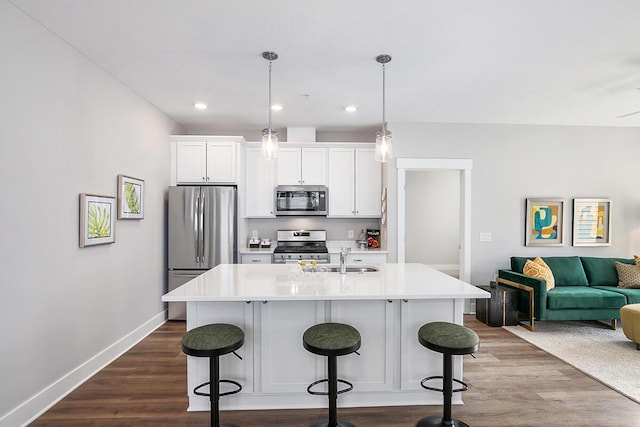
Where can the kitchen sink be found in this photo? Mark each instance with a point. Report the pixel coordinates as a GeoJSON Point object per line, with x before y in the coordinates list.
{"type": "Point", "coordinates": [353, 269]}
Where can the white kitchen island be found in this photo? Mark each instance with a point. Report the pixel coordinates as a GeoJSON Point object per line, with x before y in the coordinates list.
{"type": "Point", "coordinates": [275, 303]}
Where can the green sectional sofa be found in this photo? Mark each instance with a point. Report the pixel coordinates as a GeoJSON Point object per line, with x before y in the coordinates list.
{"type": "Point", "coordinates": [586, 288]}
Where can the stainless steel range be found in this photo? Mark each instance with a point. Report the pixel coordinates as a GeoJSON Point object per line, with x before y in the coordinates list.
{"type": "Point", "coordinates": [301, 245]}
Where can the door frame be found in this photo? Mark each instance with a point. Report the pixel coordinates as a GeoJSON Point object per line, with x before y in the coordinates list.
{"type": "Point", "coordinates": [464, 167]}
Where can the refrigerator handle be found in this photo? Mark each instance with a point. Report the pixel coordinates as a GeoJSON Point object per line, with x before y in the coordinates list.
{"type": "Point", "coordinates": [203, 201]}
{"type": "Point", "coordinates": [197, 228]}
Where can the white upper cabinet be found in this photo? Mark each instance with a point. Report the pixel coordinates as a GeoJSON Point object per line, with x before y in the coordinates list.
{"type": "Point", "coordinates": [199, 160]}
{"type": "Point", "coordinates": [260, 184]}
{"type": "Point", "coordinates": [355, 183]}
{"type": "Point", "coordinates": [302, 166]}
{"type": "Point", "coordinates": [368, 177]}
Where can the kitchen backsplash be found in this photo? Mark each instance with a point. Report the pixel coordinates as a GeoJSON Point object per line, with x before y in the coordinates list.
{"type": "Point", "coordinates": [337, 228]}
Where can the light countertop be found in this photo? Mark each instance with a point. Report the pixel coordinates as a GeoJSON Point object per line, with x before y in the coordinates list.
{"type": "Point", "coordinates": [286, 282]}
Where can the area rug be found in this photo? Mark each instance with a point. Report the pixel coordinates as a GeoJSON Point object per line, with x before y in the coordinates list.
{"type": "Point", "coordinates": [593, 348]}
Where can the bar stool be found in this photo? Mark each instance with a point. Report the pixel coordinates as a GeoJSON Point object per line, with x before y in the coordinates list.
{"type": "Point", "coordinates": [449, 339]}
{"type": "Point", "coordinates": [213, 341]}
{"type": "Point", "coordinates": [331, 340]}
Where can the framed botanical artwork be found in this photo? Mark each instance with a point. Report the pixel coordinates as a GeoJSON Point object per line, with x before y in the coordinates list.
{"type": "Point", "coordinates": [130, 197]}
{"type": "Point", "coordinates": [544, 223]}
{"type": "Point", "coordinates": [97, 220]}
{"type": "Point", "coordinates": [592, 222]}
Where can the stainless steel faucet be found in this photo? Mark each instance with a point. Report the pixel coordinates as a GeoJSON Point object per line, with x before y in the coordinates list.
{"type": "Point", "coordinates": [343, 260]}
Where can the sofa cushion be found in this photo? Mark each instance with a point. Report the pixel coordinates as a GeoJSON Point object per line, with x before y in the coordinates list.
{"type": "Point", "coordinates": [628, 275]}
{"type": "Point", "coordinates": [567, 270]}
{"type": "Point", "coordinates": [586, 297]}
{"type": "Point", "coordinates": [632, 295]}
{"type": "Point", "coordinates": [637, 259]}
{"type": "Point", "coordinates": [602, 271]}
{"type": "Point", "coordinates": [539, 269]}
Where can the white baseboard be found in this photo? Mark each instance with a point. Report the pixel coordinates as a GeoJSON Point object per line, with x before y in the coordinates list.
{"type": "Point", "coordinates": [35, 406]}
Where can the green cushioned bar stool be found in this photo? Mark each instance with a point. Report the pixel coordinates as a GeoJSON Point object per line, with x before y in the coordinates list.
{"type": "Point", "coordinates": [449, 339]}
{"type": "Point", "coordinates": [213, 341]}
{"type": "Point", "coordinates": [332, 340]}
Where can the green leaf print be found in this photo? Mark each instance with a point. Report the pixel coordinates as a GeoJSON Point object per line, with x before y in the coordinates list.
{"type": "Point", "coordinates": [99, 221]}
{"type": "Point", "coordinates": [131, 197]}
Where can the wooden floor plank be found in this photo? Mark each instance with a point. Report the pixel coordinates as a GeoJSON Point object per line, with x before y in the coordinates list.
{"type": "Point", "coordinates": [511, 383]}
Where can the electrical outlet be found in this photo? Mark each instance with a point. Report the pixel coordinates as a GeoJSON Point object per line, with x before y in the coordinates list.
{"type": "Point", "coordinates": [350, 234]}
{"type": "Point", "coordinates": [485, 237]}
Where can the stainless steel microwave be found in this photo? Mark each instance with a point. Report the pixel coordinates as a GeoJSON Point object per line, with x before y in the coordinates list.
{"type": "Point", "coordinates": [301, 200]}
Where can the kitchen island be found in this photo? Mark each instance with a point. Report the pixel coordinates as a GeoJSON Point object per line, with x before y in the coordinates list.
{"type": "Point", "coordinates": [275, 303]}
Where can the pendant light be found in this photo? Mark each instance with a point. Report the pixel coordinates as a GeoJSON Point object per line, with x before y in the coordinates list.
{"type": "Point", "coordinates": [384, 149]}
{"type": "Point", "coordinates": [269, 136]}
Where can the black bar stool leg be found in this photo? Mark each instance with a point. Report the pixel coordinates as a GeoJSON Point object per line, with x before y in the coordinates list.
{"type": "Point", "coordinates": [447, 387]}
{"type": "Point", "coordinates": [214, 390]}
{"type": "Point", "coordinates": [333, 391]}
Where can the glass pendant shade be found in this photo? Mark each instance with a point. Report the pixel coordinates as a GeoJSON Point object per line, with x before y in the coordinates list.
{"type": "Point", "coordinates": [269, 144]}
{"type": "Point", "coordinates": [384, 147]}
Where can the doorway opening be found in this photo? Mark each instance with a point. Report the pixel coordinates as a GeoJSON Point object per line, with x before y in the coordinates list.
{"type": "Point", "coordinates": [409, 172]}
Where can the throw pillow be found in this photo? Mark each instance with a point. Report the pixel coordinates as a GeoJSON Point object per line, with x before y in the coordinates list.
{"type": "Point", "coordinates": [628, 275]}
{"type": "Point", "coordinates": [637, 258]}
{"type": "Point", "coordinates": [539, 269]}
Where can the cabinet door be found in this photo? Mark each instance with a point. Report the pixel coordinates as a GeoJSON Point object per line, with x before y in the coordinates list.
{"type": "Point", "coordinates": [367, 258]}
{"type": "Point", "coordinates": [260, 191]}
{"type": "Point", "coordinates": [286, 366]}
{"type": "Point", "coordinates": [372, 370]}
{"type": "Point", "coordinates": [221, 162]}
{"type": "Point", "coordinates": [289, 166]}
{"type": "Point", "coordinates": [256, 259]}
{"type": "Point", "coordinates": [191, 162]}
{"type": "Point", "coordinates": [368, 182]}
{"type": "Point", "coordinates": [340, 182]}
{"type": "Point", "coordinates": [417, 362]}
{"type": "Point", "coordinates": [314, 166]}
{"type": "Point", "coordinates": [235, 313]}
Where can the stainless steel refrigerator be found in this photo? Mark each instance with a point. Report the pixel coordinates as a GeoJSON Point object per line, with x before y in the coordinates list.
{"type": "Point", "coordinates": [202, 234]}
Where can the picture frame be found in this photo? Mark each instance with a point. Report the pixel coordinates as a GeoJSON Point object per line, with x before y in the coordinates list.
{"type": "Point", "coordinates": [592, 222]}
{"type": "Point", "coordinates": [130, 197]}
{"type": "Point", "coordinates": [97, 220]}
{"type": "Point", "coordinates": [544, 222]}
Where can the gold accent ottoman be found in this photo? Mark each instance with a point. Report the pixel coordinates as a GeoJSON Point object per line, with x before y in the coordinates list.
{"type": "Point", "coordinates": [630, 319]}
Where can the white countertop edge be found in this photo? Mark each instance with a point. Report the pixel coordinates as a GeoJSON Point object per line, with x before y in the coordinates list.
{"type": "Point", "coordinates": [268, 298]}
{"type": "Point", "coordinates": [279, 282]}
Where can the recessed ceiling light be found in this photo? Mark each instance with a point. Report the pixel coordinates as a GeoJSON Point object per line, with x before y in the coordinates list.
{"type": "Point", "coordinates": [350, 108]}
{"type": "Point", "coordinates": [276, 107]}
{"type": "Point", "coordinates": [200, 105]}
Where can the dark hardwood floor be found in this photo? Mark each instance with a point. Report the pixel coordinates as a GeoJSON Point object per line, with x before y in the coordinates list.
{"type": "Point", "coordinates": [511, 383]}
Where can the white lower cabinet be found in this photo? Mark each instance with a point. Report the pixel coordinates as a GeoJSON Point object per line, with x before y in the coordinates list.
{"type": "Point", "coordinates": [276, 369]}
{"type": "Point", "coordinates": [418, 362]}
{"type": "Point", "coordinates": [372, 370]}
{"type": "Point", "coordinates": [356, 258]}
{"type": "Point", "coordinates": [256, 259]}
{"type": "Point", "coordinates": [286, 366]}
{"type": "Point", "coordinates": [235, 313]}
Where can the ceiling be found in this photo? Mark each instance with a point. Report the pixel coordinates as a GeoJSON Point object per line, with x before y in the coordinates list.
{"type": "Point", "coordinates": [570, 62]}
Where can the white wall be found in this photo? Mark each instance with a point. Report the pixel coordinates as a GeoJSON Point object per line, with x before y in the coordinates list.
{"type": "Point", "coordinates": [68, 127]}
{"type": "Point", "coordinates": [513, 162]}
{"type": "Point", "coordinates": [432, 217]}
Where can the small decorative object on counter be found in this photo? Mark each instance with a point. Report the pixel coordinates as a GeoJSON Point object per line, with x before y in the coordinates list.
{"type": "Point", "coordinates": [254, 243]}
{"type": "Point", "coordinates": [362, 239]}
{"type": "Point", "coordinates": [373, 238]}
{"type": "Point", "coordinates": [265, 243]}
